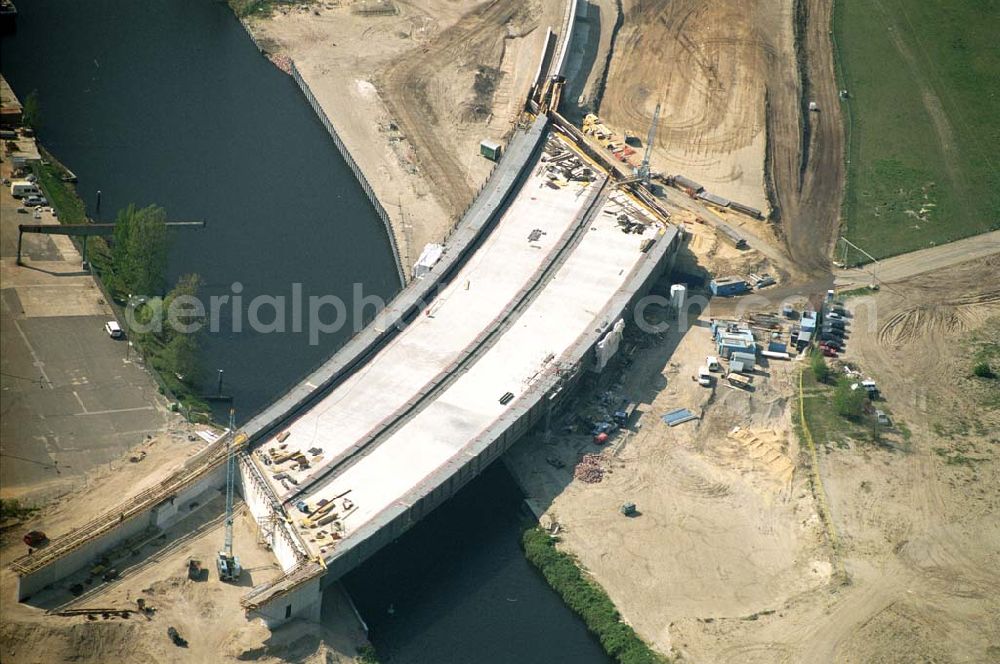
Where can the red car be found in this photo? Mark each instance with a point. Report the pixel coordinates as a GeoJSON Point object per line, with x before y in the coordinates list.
{"type": "Point", "coordinates": [828, 352]}
{"type": "Point", "coordinates": [35, 538]}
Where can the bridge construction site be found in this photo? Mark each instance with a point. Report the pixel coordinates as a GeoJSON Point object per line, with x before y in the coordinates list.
{"type": "Point", "coordinates": [531, 292]}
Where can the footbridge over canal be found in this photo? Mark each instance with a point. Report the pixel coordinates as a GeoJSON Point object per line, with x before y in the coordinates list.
{"type": "Point", "coordinates": [533, 290]}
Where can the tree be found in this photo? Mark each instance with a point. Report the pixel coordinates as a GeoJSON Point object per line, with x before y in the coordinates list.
{"type": "Point", "coordinates": [849, 402]}
{"type": "Point", "coordinates": [820, 369]}
{"type": "Point", "coordinates": [31, 113]}
{"type": "Point", "coordinates": [181, 355]}
{"type": "Point", "coordinates": [187, 288]}
{"type": "Point", "coordinates": [983, 370]}
{"type": "Point", "coordinates": [139, 255]}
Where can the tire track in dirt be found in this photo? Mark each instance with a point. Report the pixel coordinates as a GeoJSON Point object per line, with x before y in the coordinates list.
{"type": "Point", "coordinates": [414, 97]}
{"type": "Point", "coordinates": [807, 164]}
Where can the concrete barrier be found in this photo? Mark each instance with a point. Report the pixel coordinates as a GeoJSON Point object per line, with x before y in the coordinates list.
{"type": "Point", "coordinates": [519, 417]}
{"type": "Point", "coordinates": [474, 226]}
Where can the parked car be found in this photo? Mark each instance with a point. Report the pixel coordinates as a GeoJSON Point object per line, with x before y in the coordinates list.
{"type": "Point", "coordinates": [35, 538]}
{"type": "Point", "coordinates": [35, 201]}
{"type": "Point", "coordinates": [835, 345]}
{"type": "Point", "coordinates": [828, 352]}
{"type": "Point", "coordinates": [113, 329]}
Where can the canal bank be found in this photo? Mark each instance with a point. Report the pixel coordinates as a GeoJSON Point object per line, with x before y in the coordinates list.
{"type": "Point", "coordinates": [457, 588]}
{"type": "Point", "coordinates": [390, 231]}
{"type": "Point", "coordinates": [175, 106]}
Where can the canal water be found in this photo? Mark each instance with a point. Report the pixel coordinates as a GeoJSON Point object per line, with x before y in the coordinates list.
{"type": "Point", "coordinates": [169, 102]}
{"type": "Point", "coordinates": [457, 589]}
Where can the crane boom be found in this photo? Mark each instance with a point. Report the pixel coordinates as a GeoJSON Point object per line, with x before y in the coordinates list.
{"type": "Point", "coordinates": [228, 564]}
{"type": "Point", "coordinates": [230, 481]}
{"type": "Point", "coordinates": [643, 173]}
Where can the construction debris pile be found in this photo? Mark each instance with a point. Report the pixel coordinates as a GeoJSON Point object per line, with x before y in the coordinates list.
{"type": "Point", "coordinates": [589, 469]}
{"type": "Point", "coordinates": [563, 166]}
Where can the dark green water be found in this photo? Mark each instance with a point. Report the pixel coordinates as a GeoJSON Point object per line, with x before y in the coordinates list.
{"type": "Point", "coordinates": [169, 102]}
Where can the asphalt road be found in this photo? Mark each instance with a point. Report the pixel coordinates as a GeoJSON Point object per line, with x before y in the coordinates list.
{"type": "Point", "coordinates": [69, 400]}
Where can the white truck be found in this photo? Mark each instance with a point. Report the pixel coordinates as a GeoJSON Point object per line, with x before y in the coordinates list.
{"type": "Point", "coordinates": [24, 188]}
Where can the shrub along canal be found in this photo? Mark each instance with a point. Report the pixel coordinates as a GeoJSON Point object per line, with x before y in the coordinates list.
{"type": "Point", "coordinates": [169, 102]}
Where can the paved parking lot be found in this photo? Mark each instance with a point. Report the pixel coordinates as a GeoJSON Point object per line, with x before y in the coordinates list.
{"type": "Point", "coordinates": [70, 401]}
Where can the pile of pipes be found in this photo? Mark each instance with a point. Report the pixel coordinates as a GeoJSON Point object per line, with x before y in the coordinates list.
{"type": "Point", "coordinates": [589, 470]}
{"type": "Point", "coordinates": [561, 163]}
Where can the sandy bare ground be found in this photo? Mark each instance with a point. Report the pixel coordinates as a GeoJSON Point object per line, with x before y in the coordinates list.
{"type": "Point", "coordinates": [706, 63]}
{"type": "Point", "coordinates": [205, 612]}
{"type": "Point", "coordinates": [413, 93]}
{"type": "Point", "coordinates": [728, 562]}
{"type": "Point", "coordinates": [733, 115]}
{"type": "Point", "coordinates": [728, 527]}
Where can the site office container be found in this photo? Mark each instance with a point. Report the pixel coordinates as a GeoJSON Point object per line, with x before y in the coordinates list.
{"type": "Point", "coordinates": [23, 188]}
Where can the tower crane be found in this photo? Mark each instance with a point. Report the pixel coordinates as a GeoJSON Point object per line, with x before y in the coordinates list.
{"type": "Point", "coordinates": [643, 173]}
{"type": "Point", "coordinates": [229, 564]}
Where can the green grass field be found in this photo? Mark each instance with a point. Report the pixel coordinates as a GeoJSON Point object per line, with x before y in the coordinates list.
{"type": "Point", "coordinates": [923, 121]}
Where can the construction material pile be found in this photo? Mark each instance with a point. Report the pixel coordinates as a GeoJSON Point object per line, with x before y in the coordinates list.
{"type": "Point", "coordinates": [589, 469]}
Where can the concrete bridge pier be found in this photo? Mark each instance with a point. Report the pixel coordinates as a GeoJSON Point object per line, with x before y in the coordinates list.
{"type": "Point", "coordinates": [304, 602]}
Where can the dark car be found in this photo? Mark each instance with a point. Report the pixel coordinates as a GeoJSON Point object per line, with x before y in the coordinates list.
{"type": "Point", "coordinates": [35, 538]}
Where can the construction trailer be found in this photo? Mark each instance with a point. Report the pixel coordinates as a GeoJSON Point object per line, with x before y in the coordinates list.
{"type": "Point", "coordinates": [728, 343]}
{"type": "Point", "coordinates": [746, 209]}
{"type": "Point", "coordinates": [713, 199]}
{"type": "Point", "coordinates": [686, 183]}
{"type": "Point", "coordinates": [490, 149]}
{"type": "Point", "coordinates": [728, 286]}
{"type": "Point", "coordinates": [746, 360]}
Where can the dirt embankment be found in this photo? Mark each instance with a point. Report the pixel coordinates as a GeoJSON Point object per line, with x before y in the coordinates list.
{"type": "Point", "coordinates": [445, 94]}
{"type": "Point", "coordinates": [806, 148]}
{"type": "Point", "coordinates": [735, 79]}
{"type": "Point", "coordinates": [413, 90]}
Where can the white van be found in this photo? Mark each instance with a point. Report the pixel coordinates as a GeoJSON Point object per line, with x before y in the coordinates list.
{"type": "Point", "coordinates": [113, 329]}
{"type": "Point", "coordinates": [23, 188]}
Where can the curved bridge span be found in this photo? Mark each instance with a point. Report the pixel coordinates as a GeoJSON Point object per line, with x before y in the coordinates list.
{"type": "Point", "coordinates": [532, 291]}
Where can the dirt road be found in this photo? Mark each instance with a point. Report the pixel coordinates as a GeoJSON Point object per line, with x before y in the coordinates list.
{"type": "Point", "coordinates": [805, 149]}
{"type": "Point", "coordinates": [901, 267]}
{"type": "Point", "coordinates": [735, 103]}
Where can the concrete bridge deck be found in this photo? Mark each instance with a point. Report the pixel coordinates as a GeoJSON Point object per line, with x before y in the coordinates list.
{"type": "Point", "coordinates": [351, 417]}
{"type": "Point", "coordinates": [442, 435]}
{"type": "Point", "coordinates": [425, 413]}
